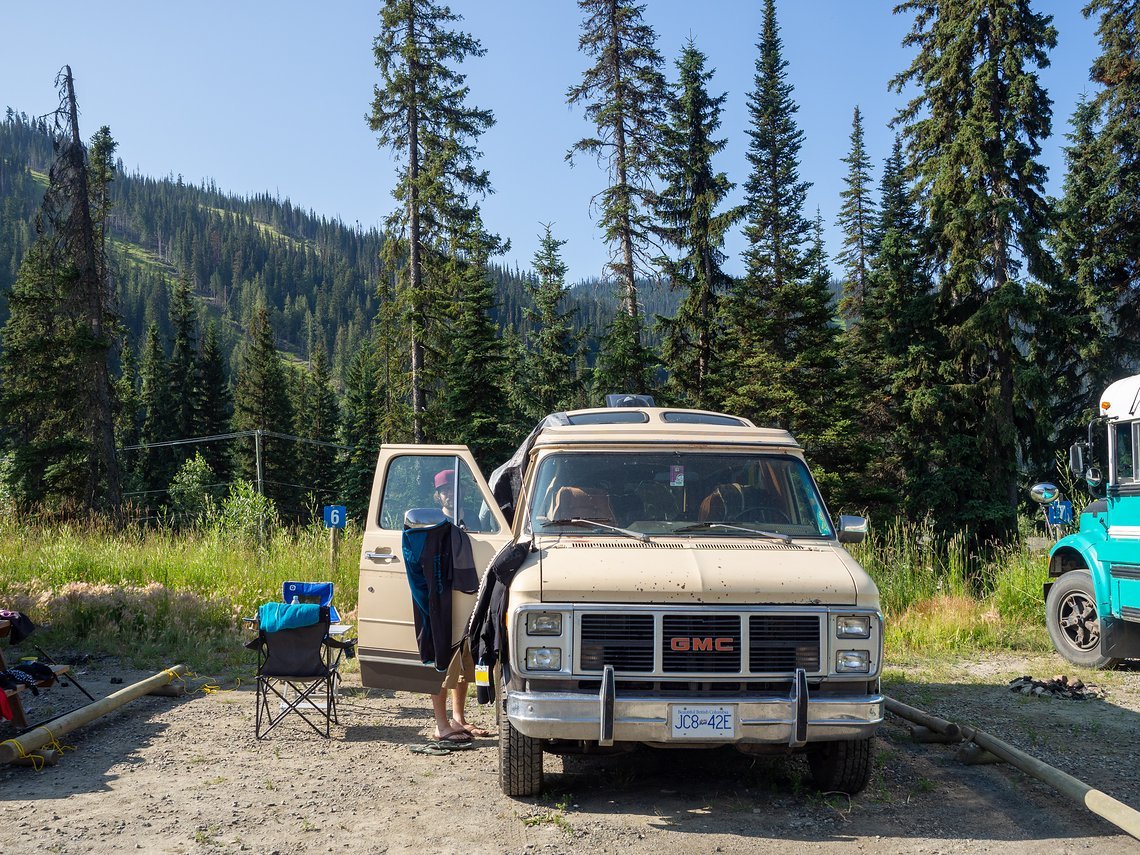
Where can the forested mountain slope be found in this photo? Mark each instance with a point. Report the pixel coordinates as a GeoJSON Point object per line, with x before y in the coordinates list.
{"type": "Point", "coordinates": [317, 275]}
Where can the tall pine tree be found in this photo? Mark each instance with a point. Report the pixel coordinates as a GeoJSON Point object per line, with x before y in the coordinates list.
{"type": "Point", "coordinates": [549, 379]}
{"type": "Point", "coordinates": [261, 403]}
{"type": "Point", "coordinates": [318, 419]}
{"type": "Point", "coordinates": [623, 94]}
{"type": "Point", "coordinates": [421, 113]}
{"type": "Point", "coordinates": [857, 221]}
{"type": "Point", "coordinates": [690, 221]}
{"type": "Point", "coordinates": [973, 132]}
{"type": "Point", "coordinates": [57, 404]}
{"type": "Point", "coordinates": [780, 314]}
{"type": "Point", "coordinates": [215, 403]}
{"type": "Point", "coordinates": [183, 367]}
{"type": "Point", "coordinates": [158, 419]}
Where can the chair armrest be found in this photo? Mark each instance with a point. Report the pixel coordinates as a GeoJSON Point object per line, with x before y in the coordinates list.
{"type": "Point", "coordinates": [348, 645]}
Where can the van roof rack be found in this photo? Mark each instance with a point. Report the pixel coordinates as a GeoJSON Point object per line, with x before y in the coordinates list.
{"type": "Point", "coordinates": [629, 401]}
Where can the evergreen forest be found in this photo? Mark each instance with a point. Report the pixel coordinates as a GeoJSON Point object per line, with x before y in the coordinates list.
{"type": "Point", "coordinates": [932, 369]}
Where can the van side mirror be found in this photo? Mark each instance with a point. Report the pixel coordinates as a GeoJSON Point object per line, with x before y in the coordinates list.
{"type": "Point", "coordinates": [852, 529]}
{"type": "Point", "coordinates": [417, 518]}
{"type": "Point", "coordinates": [1077, 459]}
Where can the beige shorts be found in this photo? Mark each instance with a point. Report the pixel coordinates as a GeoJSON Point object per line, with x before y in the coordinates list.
{"type": "Point", "coordinates": [461, 670]}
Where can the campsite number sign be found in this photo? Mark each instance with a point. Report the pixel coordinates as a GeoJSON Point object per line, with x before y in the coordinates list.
{"type": "Point", "coordinates": [335, 516]}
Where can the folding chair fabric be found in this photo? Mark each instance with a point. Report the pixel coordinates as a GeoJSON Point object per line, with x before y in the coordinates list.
{"type": "Point", "coordinates": [320, 593]}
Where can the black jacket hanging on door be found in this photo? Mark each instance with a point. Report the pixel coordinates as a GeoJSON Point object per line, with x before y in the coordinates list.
{"type": "Point", "coordinates": [438, 560]}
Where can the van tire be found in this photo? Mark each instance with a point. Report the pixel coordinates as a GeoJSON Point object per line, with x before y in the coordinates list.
{"type": "Point", "coordinates": [520, 758]}
{"type": "Point", "coordinates": [840, 767]}
{"type": "Point", "coordinates": [1074, 625]}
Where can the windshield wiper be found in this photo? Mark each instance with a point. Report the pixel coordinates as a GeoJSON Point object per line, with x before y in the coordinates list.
{"type": "Point", "coordinates": [636, 535]}
{"type": "Point", "coordinates": [707, 525]}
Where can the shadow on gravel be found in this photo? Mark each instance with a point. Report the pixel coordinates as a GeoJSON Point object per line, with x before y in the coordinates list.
{"type": "Point", "coordinates": [90, 753]}
{"type": "Point", "coordinates": [916, 791]}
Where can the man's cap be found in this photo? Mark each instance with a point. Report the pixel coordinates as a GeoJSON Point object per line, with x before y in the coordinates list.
{"type": "Point", "coordinates": [444, 477]}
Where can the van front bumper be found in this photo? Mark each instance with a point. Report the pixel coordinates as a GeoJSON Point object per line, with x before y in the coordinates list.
{"type": "Point", "coordinates": [793, 719]}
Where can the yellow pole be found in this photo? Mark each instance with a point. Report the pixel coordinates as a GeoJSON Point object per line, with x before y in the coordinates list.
{"type": "Point", "coordinates": [45, 734]}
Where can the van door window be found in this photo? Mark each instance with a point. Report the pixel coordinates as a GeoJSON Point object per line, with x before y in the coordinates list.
{"type": "Point", "coordinates": [433, 481]}
{"type": "Point", "coordinates": [1124, 456]}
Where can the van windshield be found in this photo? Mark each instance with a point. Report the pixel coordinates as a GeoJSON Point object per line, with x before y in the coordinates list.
{"type": "Point", "coordinates": [682, 493]}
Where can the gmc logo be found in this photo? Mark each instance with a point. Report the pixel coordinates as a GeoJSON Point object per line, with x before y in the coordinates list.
{"type": "Point", "coordinates": [684, 645]}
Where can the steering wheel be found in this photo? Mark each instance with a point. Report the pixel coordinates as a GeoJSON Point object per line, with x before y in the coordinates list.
{"type": "Point", "coordinates": [761, 513]}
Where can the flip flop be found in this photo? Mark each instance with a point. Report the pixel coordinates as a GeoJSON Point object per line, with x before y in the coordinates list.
{"type": "Point", "coordinates": [454, 737]}
{"type": "Point", "coordinates": [429, 748]}
{"type": "Point", "coordinates": [447, 747]}
{"type": "Point", "coordinates": [475, 730]}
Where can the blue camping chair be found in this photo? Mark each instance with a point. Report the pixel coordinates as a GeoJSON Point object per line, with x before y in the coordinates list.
{"type": "Point", "coordinates": [313, 593]}
{"type": "Point", "coordinates": [297, 666]}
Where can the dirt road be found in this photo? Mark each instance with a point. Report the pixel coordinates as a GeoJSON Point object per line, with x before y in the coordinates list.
{"type": "Point", "coordinates": [187, 776]}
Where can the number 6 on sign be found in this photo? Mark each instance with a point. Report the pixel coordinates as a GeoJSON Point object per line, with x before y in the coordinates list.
{"type": "Point", "coordinates": [335, 516]}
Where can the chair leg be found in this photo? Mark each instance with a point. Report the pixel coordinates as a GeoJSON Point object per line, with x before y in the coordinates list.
{"type": "Point", "coordinates": [303, 695]}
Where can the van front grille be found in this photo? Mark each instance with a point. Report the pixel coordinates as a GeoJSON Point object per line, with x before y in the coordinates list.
{"type": "Point", "coordinates": [624, 641]}
{"type": "Point", "coordinates": [700, 644]}
{"type": "Point", "coordinates": [783, 643]}
{"type": "Point", "coordinates": [712, 644]}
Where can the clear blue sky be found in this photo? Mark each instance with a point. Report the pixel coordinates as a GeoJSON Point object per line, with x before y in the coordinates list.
{"type": "Point", "coordinates": [264, 96]}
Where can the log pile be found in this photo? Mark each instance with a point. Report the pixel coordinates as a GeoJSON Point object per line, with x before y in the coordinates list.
{"type": "Point", "coordinates": [1058, 687]}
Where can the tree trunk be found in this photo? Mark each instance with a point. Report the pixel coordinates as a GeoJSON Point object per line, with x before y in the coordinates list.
{"type": "Point", "coordinates": [415, 261]}
{"type": "Point", "coordinates": [102, 462]}
{"type": "Point", "coordinates": [626, 236]}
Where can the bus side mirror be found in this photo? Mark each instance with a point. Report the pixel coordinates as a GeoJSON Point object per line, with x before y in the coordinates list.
{"type": "Point", "coordinates": [1077, 459]}
{"type": "Point", "coordinates": [1093, 477]}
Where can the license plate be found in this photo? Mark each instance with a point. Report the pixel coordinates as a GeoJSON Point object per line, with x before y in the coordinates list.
{"type": "Point", "coordinates": [703, 722]}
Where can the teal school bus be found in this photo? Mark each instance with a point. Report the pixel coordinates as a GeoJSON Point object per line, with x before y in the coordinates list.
{"type": "Point", "coordinates": [1092, 601]}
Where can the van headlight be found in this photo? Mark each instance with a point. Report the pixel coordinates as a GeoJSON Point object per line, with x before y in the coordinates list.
{"type": "Point", "coordinates": [543, 659]}
{"type": "Point", "coordinates": [543, 623]}
{"type": "Point", "coordinates": [853, 662]}
{"type": "Point", "coordinates": [853, 626]}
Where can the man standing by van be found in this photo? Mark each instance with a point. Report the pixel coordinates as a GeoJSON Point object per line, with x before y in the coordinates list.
{"type": "Point", "coordinates": [461, 670]}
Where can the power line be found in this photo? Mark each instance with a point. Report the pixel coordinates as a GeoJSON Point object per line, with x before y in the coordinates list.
{"type": "Point", "coordinates": [236, 435]}
{"type": "Point", "coordinates": [189, 441]}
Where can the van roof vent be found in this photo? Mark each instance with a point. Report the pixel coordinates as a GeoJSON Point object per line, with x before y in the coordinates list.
{"type": "Point", "coordinates": [629, 401]}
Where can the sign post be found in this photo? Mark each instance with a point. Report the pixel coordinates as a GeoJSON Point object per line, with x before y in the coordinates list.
{"type": "Point", "coordinates": [335, 518]}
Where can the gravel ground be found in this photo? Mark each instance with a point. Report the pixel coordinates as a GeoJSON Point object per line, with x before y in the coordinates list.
{"type": "Point", "coordinates": [187, 776]}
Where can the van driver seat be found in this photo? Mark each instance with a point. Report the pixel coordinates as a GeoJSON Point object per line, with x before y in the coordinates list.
{"type": "Point", "coordinates": [582, 503]}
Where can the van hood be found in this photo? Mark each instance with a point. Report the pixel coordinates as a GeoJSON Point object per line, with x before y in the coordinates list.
{"type": "Point", "coordinates": [700, 570]}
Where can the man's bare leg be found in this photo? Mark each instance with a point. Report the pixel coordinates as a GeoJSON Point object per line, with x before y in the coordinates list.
{"type": "Point", "coordinates": [445, 729]}
{"type": "Point", "coordinates": [458, 702]}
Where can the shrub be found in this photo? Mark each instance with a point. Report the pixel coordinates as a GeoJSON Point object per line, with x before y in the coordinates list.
{"type": "Point", "coordinates": [193, 493]}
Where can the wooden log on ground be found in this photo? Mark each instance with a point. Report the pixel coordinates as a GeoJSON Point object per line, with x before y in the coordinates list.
{"type": "Point", "coordinates": [39, 758]}
{"type": "Point", "coordinates": [37, 737]}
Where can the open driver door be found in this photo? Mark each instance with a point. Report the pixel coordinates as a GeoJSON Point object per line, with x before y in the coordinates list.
{"type": "Point", "coordinates": [416, 476]}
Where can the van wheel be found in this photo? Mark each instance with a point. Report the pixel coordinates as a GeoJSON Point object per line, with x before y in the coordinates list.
{"type": "Point", "coordinates": [1073, 621]}
{"type": "Point", "coordinates": [520, 758]}
{"type": "Point", "coordinates": [840, 767]}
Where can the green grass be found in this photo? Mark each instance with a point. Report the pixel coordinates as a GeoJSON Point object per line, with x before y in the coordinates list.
{"type": "Point", "coordinates": [159, 596]}
{"type": "Point", "coordinates": [156, 597]}
{"type": "Point", "coordinates": [947, 599]}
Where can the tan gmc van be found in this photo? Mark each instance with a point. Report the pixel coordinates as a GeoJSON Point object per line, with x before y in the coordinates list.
{"type": "Point", "coordinates": [684, 587]}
